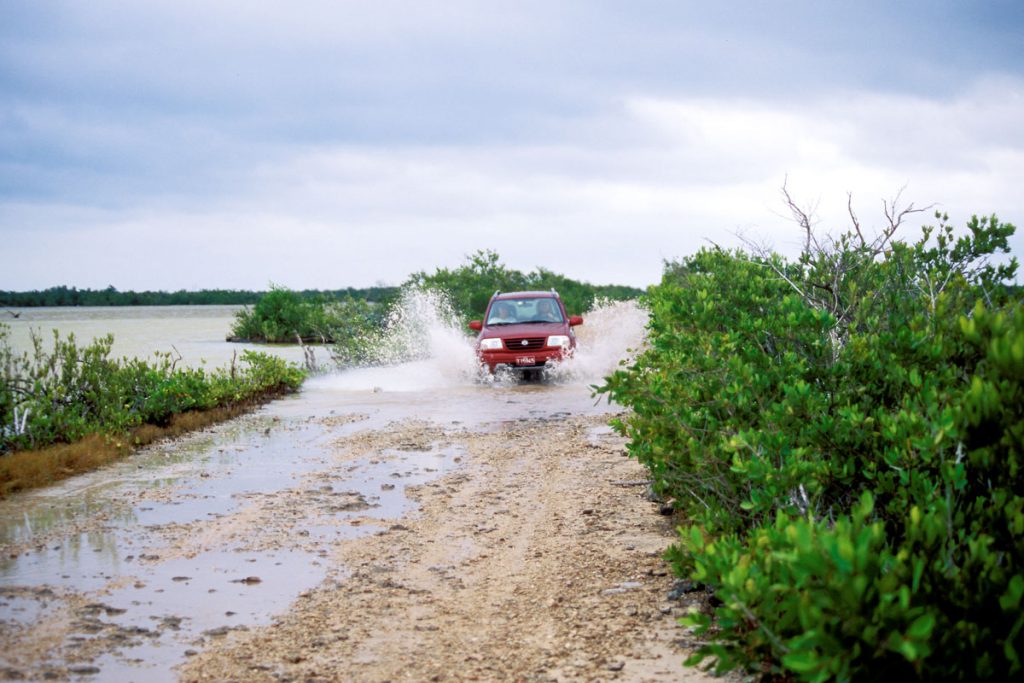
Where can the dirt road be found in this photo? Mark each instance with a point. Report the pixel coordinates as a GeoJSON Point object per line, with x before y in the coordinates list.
{"type": "Point", "coordinates": [534, 554]}
{"type": "Point", "coordinates": [538, 559]}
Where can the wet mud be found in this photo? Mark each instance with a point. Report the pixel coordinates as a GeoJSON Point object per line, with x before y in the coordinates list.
{"type": "Point", "coordinates": [129, 569]}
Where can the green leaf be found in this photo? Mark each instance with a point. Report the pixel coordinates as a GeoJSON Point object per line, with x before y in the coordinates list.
{"type": "Point", "coordinates": [922, 627]}
{"type": "Point", "coordinates": [804, 661]}
{"type": "Point", "coordinates": [1010, 601]}
{"type": "Point", "coordinates": [696, 538]}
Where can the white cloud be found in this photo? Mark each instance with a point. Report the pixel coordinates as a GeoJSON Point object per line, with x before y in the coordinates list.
{"type": "Point", "coordinates": [607, 201]}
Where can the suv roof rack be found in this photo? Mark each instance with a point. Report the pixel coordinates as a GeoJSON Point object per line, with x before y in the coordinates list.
{"type": "Point", "coordinates": [496, 293]}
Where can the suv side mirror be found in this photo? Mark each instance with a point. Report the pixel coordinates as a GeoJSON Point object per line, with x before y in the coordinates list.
{"type": "Point", "coordinates": [575, 320]}
{"type": "Point", "coordinates": [477, 325]}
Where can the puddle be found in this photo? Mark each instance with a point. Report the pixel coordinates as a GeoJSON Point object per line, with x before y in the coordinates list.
{"type": "Point", "coordinates": [85, 561]}
{"type": "Point", "coordinates": [600, 433]}
{"type": "Point", "coordinates": [181, 604]}
{"type": "Point", "coordinates": [20, 608]}
{"type": "Point", "coordinates": [150, 606]}
{"type": "Point", "coordinates": [383, 479]}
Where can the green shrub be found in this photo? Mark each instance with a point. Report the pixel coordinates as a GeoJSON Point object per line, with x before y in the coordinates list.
{"type": "Point", "coordinates": [285, 316]}
{"type": "Point", "coordinates": [265, 373]}
{"type": "Point", "coordinates": [280, 315]}
{"type": "Point", "coordinates": [61, 395]}
{"type": "Point", "coordinates": [843, 435]}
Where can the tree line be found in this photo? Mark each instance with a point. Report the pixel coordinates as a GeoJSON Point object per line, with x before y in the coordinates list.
{"type": "Point", "coordinates": [72, 296]}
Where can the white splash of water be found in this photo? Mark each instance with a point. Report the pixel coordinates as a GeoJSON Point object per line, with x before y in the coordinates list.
{"type": "Point", "coordinates": [612, 333]}
{"type": "Point", "coordinates": [422, 346]}
{"type": "Point", "coordinates": [423, 325]}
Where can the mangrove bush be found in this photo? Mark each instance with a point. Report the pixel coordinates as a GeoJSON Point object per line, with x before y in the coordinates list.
{"type": "Point", "coordinates": [63, 393]}
{"type": "Point", "coordinates": [285, 316]}
{"type": "Point", "coordinates": [843, 436]}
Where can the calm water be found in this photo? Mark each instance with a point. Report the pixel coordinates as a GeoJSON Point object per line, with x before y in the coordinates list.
{"type": "Point", "coordinates": [196, 332]}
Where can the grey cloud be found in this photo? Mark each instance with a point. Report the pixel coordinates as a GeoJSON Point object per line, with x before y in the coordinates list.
{"type": "Point", "coordinates": [479, 124]}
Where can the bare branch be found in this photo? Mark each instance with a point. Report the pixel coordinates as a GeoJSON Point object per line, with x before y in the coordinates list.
{"type": "Point", "coordinates": [716, 245]}
{"type": "Point", "coordinates": [175, 363]}
{"type": "Point", "coordinates": [803, 219]}
{"type": "Point", "coordinates": [832, 292]}
{"type": "Point", "coordinates": [853, 219]}
{"type": "Point", "coordinates": [309, 355]}
{"type": "Point", "coordinates": [760, 247]}
{"type": "Point", "coordinates": [894, 215]}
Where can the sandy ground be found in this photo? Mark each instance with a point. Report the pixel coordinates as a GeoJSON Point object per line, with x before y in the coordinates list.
{"type": "Point", "coordinates": [534, 554]}
{"type": "Point", "coordinates": [539, 559]}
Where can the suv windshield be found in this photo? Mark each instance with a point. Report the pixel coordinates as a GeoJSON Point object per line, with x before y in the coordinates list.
{"type": "Point", "coordinates": [527, 310]}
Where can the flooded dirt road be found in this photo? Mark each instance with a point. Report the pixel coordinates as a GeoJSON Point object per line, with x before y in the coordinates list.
{"type": "Point", "coordinates": [400, 523]}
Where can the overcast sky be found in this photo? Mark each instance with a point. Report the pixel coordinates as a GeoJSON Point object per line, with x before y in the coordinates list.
{"type": "Point", "coordinates": [172, 144]}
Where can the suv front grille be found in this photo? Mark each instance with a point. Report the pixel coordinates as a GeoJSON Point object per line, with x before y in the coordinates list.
{"type": "Point", "coordinates": [525, 343]}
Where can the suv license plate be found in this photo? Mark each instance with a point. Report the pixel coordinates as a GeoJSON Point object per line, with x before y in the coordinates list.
{"type": "Point", "coordinates": [526, 360]}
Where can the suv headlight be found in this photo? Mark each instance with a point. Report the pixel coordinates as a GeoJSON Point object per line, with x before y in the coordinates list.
{"type": "Point", "coordinates": [492, 344]}
{"type": "Point", "coordinates": [558, 340]}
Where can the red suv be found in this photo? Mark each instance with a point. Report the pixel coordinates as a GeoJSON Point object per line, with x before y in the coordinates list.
{"type": "Point", "coordinates": [524, 331]}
